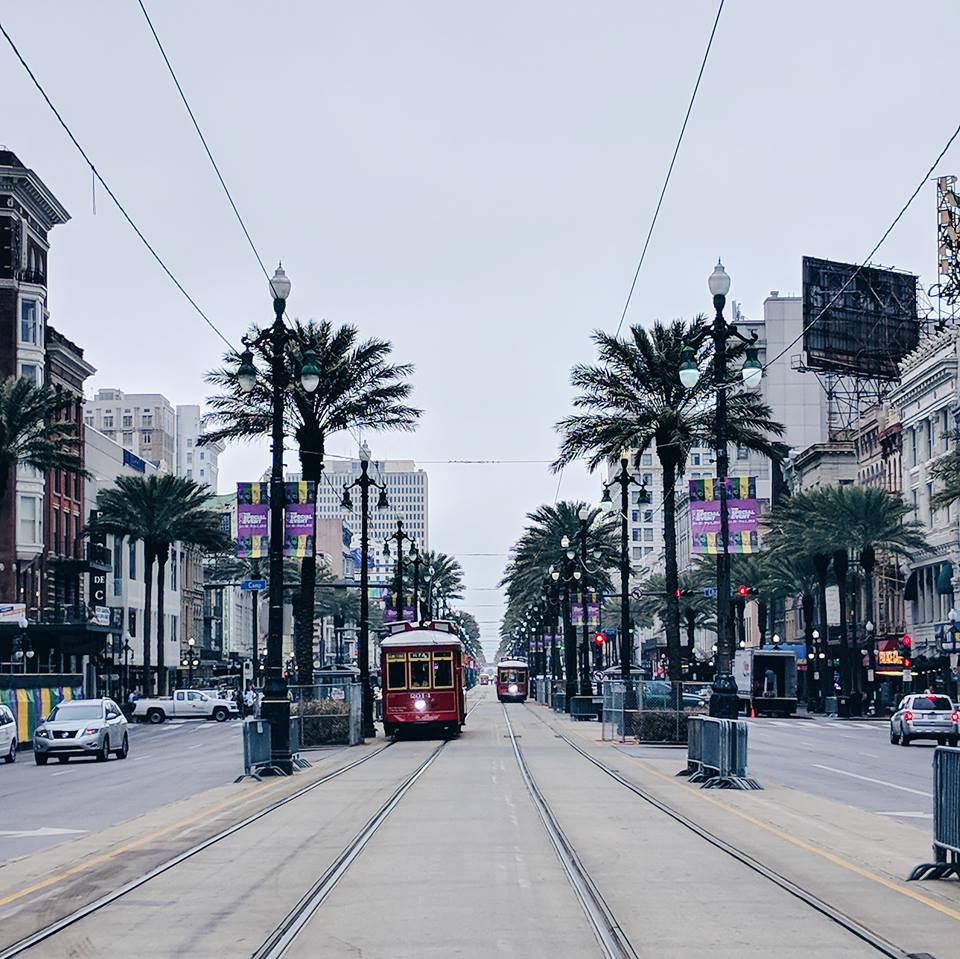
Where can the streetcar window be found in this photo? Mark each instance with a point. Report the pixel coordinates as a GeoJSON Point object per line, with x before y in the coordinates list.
{"type": "Point", "coordinates": [396, 670]}
{"type": "Point", "coordinates": [508, 675]}
{"type": "Point", "coordinates": [443, 670]}
{"type": "Point", "coordinates": [419, 670]}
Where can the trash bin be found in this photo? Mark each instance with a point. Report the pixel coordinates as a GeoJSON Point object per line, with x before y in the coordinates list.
{"type": "Point", "coordinates": [830, 705]}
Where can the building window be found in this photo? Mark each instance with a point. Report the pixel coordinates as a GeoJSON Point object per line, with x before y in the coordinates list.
{"type": "Point", "coordinates": [30, 528]}
{"type": "Point", "coordinates": [66, 532]}
{"type": "Point", "coordinates": [646, 459]}
{"type": "Point", "coordinates": [173, 570]}
{"type": "Point", "coordinates": [147, 437]}
{"type": "Point", "coordinates": [743, 453]}
{"type": "Point", "coordinates": [647, 550]}
{"type": "Point", "coordinates": [648, 515]}
{"type": "Point", "coordinates": [56, 531]}
{"type": "Point", "coordinates": [913, 447]}
{"type": "Point", "coordinates": [189, 457]}
{"type": "Point", "coordinates": [931, 439]}
{"type": "Point", "coordinates": [648, 479]}
{"type": "Point", "coordinates": [32, 372]}
{"type": "Point", "coordinates": [29, 322]}
{"type": "Point", "coordinates": [132, 560]}
{"type": "Point", "coordinates": [648, 535]}
{"type": "Point", "coordinates": [638, 552]}
{"type": "Point", "coordinates": [108, 421]}
{"type": "Point", "coordinates": [635, 516]}
{"type": "Point", "coordinates": [635, 535]}
{"type": "Point", "coordinates": [56, 481]}
{"type": "Point", "coordinates": [695, 459]}
{"type": "Point", "coordinates": [127, 421]}
{"type": "Point", "coordinates": [146, 421]}
{"type": "Point", "coordinates": [189, 443]}
{"type": "Point", "coordinates": [132, 621]}
{"type": "Point", "coordinates": [930, 510]}
{"type": "Point", "coordinates": [202, 456]}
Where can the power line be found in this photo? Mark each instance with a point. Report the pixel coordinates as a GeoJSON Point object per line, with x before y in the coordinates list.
{"type": "Point", "coordinates": [203, 140]}
{"type": "Point", "coordinates": [673, 160]}
{"type": "Point", "coordinates": [110, 192]}
{"type": "Point", "coordinates": [870, 255]}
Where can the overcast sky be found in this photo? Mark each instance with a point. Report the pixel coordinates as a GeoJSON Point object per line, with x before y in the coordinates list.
{"type": "Point", "coordinates": [472, 181]}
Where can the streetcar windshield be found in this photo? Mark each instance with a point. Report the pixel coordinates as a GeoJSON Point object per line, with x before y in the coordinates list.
{"type": "Point", "coordinates": [442, 670]}
{"type": "Point", "coordinates": [508, 675]}
{"type": "Point", "coordinates": [396, 671]}
{"type": "Point", "coordinates": [419, 670]}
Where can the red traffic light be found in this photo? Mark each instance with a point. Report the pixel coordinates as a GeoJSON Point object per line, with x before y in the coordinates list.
{"type": "Point", "coordinates": [906, 663]}
{"type": "Point", "coordinates": [743, 590]}
{"type": "Point", "coordinates": [600, 639]}
{"type": "Point", "coordinates": [906, 641]}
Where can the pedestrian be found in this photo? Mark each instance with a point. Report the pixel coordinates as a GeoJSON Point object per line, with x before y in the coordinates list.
{"type": "Point", "coordinates": [131, 702]}
{"type": "Point", "coordinates": [250, 701]}
{"type": "Point", "coordinates": [238, 699]}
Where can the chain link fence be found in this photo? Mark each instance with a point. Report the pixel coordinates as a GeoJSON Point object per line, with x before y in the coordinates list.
{"type": "Point", "coordinates": [658, 710]}
{"type": "Point", "coordinates": [328, 714]}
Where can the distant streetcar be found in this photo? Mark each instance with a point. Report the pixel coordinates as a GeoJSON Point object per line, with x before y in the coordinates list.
{"type": "Point", "coordinates": [422, 670]}
{"type": "Point", "coordinates": [512, 680]}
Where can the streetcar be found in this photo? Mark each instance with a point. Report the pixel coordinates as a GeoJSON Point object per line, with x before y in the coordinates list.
{"type": "Point", "coordinates": [422, 670]}
{"type": "Point", "coordinates": [511, 680]}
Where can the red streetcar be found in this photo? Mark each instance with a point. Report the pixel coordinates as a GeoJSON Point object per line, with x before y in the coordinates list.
{"type": "Point", "coordinates": [511, 680]}
{"type": "Point", "coordinates": [422, 669]}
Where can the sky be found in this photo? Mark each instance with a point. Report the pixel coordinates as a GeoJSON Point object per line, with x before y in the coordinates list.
{"type": "Point", "coordinates": [473, 182]}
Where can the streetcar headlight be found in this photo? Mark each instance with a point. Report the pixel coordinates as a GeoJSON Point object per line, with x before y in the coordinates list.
{"type": "Point", "coordinates": [512, 688]}
{"type": "Point", "coordinates": [420, 704]}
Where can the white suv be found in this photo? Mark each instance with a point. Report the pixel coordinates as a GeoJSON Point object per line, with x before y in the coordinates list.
{"type": "Point", "coordinates": [8, 735]}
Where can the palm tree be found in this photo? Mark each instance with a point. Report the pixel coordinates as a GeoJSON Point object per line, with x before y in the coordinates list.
{"type": "Point", "coordinates": [946, 472]}
{"type": "Point", "coordinates": [32, 431]}
{"type": "Point", "coordinates": [633, 398]}
{"type": "Point", "coordinates": [158, 511]}
{"type": "Point", "coordinates": [359, 389]}
{"type": "Point", "coordinates": [441, 580]}
{"type": "Point", "coordinates": [696, 610]}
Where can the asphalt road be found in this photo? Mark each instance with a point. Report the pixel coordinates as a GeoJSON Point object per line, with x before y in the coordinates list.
{"type": "Point", "coordinates": [44, 805]}
{"type": "Point", "coordinates": [845, 761]}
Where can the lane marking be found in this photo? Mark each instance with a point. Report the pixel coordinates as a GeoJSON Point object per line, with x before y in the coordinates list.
{"type": "Point", "coordinates": [908, 814]}
{"type": "Point", "coordinates": [870, 779]}
{"type": "Point", "coordinates": [808, 847]}
{"type": "Point", "coordinates": [135, 844]}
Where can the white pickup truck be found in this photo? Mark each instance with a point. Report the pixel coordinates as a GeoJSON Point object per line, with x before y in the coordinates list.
{"type": "Point", "coordinates": [185, 704]}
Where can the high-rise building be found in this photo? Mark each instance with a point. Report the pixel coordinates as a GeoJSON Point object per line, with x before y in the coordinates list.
{"type": "Point", "coordinates": [196, 463]}
{"type": "Point", "coordinates": [144, 423]}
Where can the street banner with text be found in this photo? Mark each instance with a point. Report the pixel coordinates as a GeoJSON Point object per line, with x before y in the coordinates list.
{"type": "Point", "coordinates": [576, 614]}
{"type": "Point", "coordinates": [593, 612]}
{"type": "Point", "coordinates": [253, 520]}
{"type": "Point", "coordinates": [742, 512]}
{"type": "Point", "coordinates": [299, 518]}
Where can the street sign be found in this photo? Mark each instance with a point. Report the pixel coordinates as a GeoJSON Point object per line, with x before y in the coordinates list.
{"type": "Point", "coordinates": [907, 675]}
{"type": "Point", "coordinates": [254, 584]}
{"type": "Point", "coordinates": [247, 670]}
{"type": "Point", "coordinates": [710, 592]}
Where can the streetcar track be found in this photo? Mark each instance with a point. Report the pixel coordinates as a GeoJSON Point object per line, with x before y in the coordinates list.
{"type": "Point", "coordinates": [610, 935]}
{"type": "Point", "coordinates": [846, 922]}
{"type": "Point", "coordinates": [58, 926]}
{"type": "Point", "coordinates": [293, 924]}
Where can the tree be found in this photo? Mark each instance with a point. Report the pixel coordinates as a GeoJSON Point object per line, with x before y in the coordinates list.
{"type": "Point", "coordinates": [158, 511]}
{"type": "Point", "coordinates": [33, 432]}
{"type": "Point", "coordinates": [696, 611]}
{"type": "Point", "coordinates": [359, 389]}
{"type": "Point", "coordinates": [632, 398]}
{"type": "Point", "coordinates": [443, 584]}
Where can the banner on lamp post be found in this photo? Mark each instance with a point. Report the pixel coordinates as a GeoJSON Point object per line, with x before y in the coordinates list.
{"type": "Point", "coordinates": [576, 614]}
{"type": "Point", "coordinates": [742, 512]}
{"type": "Point", "coordinates": [593, 612]}
{"type": "Point", "coordinates": [253, 520]}
{"type": "Point", "coordinates": [299, 518]}
{"type": "Point", "coordinates": [390, 614]}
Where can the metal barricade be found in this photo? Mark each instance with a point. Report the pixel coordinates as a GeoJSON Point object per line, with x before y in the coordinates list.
{"type": "Point", "coordinates": [257, 749]}
{"type": "Point", "coordinates": [329, 714]}
{"type": "Point", "coordinates": [295, 744]}
{"type": "Point", "coordinates": [946, 817]}
{"type": "Point", "coordinates": [559, 700]}
{"type": "Point", "coordinates": [717, 753]}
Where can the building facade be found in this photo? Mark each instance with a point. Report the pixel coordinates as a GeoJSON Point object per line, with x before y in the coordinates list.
{"type": "Point", "coordinates": [143, 423]}
{"type": "Point", "coordinates": [197, 463]}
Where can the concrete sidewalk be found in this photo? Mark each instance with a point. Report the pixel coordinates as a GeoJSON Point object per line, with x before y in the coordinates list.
{"type": "Point", "coordinates": [855, 860]}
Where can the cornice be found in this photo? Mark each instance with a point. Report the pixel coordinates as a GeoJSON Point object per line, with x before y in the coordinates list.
{"type": "Point", "coordinates": [26, 184]}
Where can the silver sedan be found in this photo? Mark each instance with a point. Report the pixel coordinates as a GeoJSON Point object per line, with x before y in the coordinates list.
{"type": "Point", "coordinates": [82, 727]}
{"type": "Point", "coordinates": [925, 716]}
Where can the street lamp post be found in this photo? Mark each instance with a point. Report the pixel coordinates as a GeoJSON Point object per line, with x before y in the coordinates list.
{"type": "Point", "coordinates": [623, 479]}
{"type": "Point", "coordinates": [723, 701]}
{"type": "Point", "coordinates": [400, 537]}
{"type": "Point", "coordinates": [568, 575]}
{"type": "Point", "coordinates": [586, 684]}
{"type": "Point", "coordinates": [364, 483]}
{"type": "Point", "coordinates": [275, 707]}
{"type": "Point", "coordinates": [189, 661]}
{"type": "Point", "coordinates": [416, 582]}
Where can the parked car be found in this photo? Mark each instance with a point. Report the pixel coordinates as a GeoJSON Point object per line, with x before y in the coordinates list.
{"type": "Point", "coordinates": [82, 727]}
{"type": "Point", "coordinates": [8, 735]}
{"type": "Point", "coordinates": [185, 704]}
{"type": "Point", "coordinates": [925, 716]}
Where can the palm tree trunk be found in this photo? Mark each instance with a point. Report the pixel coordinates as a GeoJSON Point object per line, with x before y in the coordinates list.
{"type": "Point", "coordinates": [311, 467]}
{"type": "Point", "coordinates": [148, 561]}
{"type": "Point", "coordinates": [162, 558]}
{"type": "Point", "coordinates": [840, 566]}
{"type": "Point", "coordinates": [670, 573]}
{"type": "Point", "coordinates": [868, 562]}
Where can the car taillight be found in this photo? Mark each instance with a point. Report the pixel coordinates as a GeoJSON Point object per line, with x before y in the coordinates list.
{"type": "Point", "coordinates": [908, 716]}
{"type": "Point", "coordinates": [955, 717]}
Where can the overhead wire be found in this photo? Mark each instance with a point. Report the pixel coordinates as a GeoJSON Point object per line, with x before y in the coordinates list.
{"type": "Point", "coordinates": [203, 140]}
{"type": "Point", "coordinates": [96, 173]}
{"type": "Point", "coordinates": [673, 160]}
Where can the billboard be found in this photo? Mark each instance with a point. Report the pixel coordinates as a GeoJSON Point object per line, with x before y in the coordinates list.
{"type": "Point", "coordinates": [742, 512]}
{"type": "Point", "coordinates": [860, 321]}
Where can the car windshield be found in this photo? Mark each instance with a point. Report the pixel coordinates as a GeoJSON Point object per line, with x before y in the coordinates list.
{"type": "Point", "coordinates": [933, 702]}
{"type": "Point", "coordinates": [68, 712]}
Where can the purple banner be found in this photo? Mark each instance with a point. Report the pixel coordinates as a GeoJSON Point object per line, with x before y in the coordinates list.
{"type": "Point", "coordinates": [253, 520]}
{"type": "Point", "coordinates": [390, 614]}
{"type": "Point", "coordinates": [576, 614]}
{"type": "Point", "coordinates": [409, 613]}
{"type": "Point", "coordinates": [593, 614]}
{"type": "Point", "coordinates": [299, 518]}
{"type": "Point", "coordinates": [742, 516]}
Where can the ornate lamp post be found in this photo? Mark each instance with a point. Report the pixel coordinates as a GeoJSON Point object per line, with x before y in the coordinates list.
{"type": "Point", "coordinates": [723, 702]}
{"type": "Point", "coordinates": [364, 483]}
{"type": "Point", "coordinates": [569, 574]}
{"type": "Point", "coordinates": [400, 537]}
{"type": "Point", "coordinates": [275, 707]}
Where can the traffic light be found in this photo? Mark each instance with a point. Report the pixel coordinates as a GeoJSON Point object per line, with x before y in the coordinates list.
{"type": "Point", "coordinates": [905, 648]}
{"type": "Point", "coordinates": [600, 639]}
{"type": "Point", "coordinates": [743, 591]}
{"type": "Point", "coordinates": [679, 593]}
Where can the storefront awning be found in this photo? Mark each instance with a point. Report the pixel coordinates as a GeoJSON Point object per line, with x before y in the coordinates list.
{"type": "Point", "coordinates": [945, 580]}
{"type": "Point", "coordinates": [910, 589]}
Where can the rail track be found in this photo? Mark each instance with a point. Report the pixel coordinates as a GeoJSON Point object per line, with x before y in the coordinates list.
{"type": "Point", "coordinates": [873, 939]}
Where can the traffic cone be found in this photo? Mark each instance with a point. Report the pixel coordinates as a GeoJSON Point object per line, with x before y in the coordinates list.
{"type": "Point", "coordinates": [753, 712]}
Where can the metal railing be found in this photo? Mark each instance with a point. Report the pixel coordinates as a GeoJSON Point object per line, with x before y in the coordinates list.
{"type": "Point", "coordinates": [946, 817]}
{"type": "Point", "coordinates": [661, 713]}
{"type": "Point", "coordinates": [717, 753]}
{"type": "Point", "coordinates": [328, 714]}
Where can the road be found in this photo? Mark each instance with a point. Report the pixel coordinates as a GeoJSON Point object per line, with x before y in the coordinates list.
{"type": "Point", "coordinates": [44, 805]}
{"type": "Point", "coordinates": [845, 761]}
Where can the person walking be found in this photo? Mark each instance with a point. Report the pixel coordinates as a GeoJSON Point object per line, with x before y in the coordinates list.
{"type": "Point", "coordinates": [238, 699]}
{"type": "Point", "coordinates": [250, 701]}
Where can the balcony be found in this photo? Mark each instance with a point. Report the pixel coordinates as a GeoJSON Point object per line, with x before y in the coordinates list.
{"type": "Point", "coordinates": [92, 556]}
{"type": "Point", "coordinates": [32, 276]}
{"type": "Point", "coordinates": [98, 618]}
